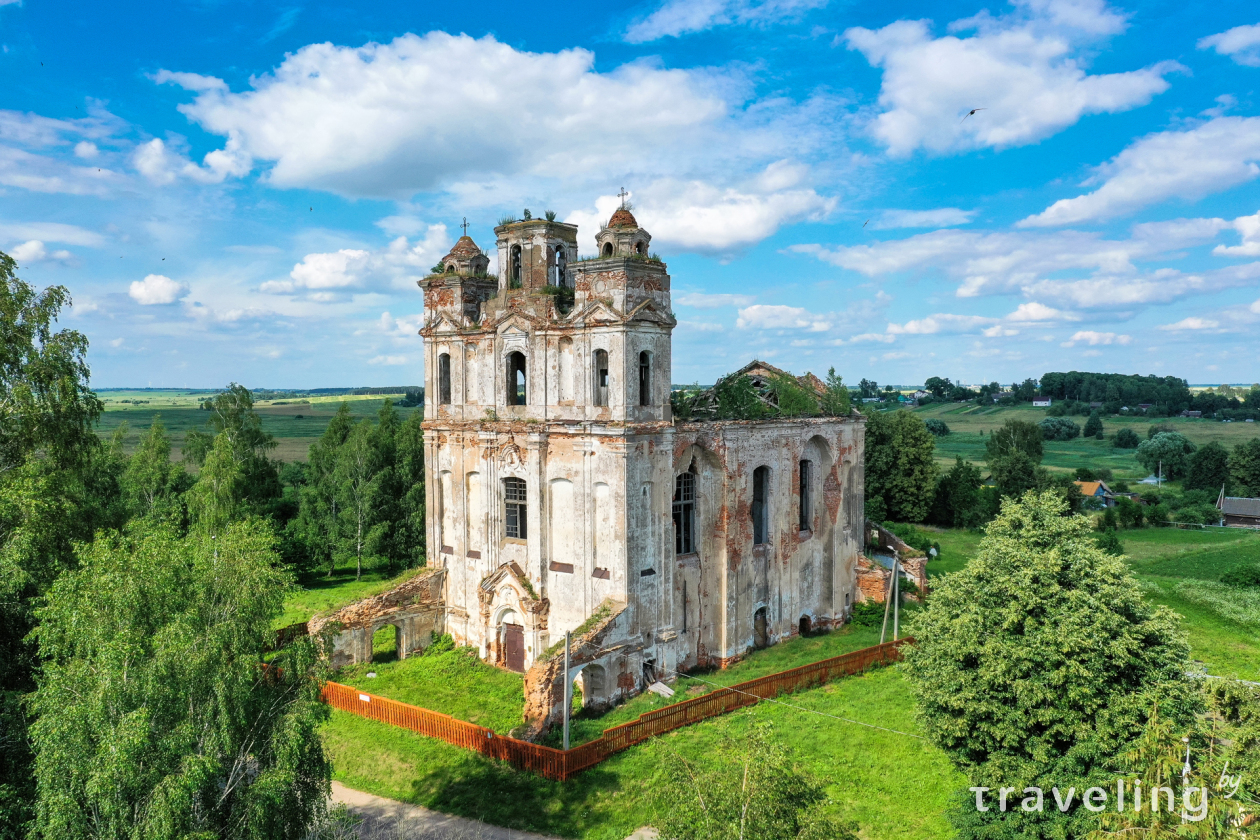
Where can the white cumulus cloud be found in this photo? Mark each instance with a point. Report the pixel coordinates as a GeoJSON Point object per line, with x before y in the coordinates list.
{"type": "Point", "coordinates": [1093, 338]}
{"type": "Point", "coordinates": [1190, 164]}
{"type": "Point", "coordinates": [771, 316]}
{"type": "Point", "coordinates": [1025, 70]}
{"type": "Point", "coordinates": [328, 275]}
{"type": "Point", "coordinates": [156, 289]}
{"type": "Point", "coordinates": [701, 300]}
{"type": "Point", "coordinates": [1248, 228]}
{"type": "Point", "coordinates": [1242, 44]}
{"type": "Point", "coordinates": [33, 251]}
{"type": "Point", "coordinates": [388, 360]}
{"type": "Point", "coordinates": [679, 17]}
{"type": "Point", "coordinates": [938, 218]}
{"type": "Point", "coordinates": [1191, 324]}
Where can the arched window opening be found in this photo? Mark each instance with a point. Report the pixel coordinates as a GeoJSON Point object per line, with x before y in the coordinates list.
{"type": "Point", "coordinates": [561, 264]}
{"type": "Point", "coordinates": [516, 379]}
{"type": "Point", "coordinates": [601, 377]}
{"type": "Point", "coordinates": [514, 511]}
{"type": "Point", "coordinates": [760, 506]}
{"type": "Point", "coordinates": [450, 268]}
{"type": "Point", "coordinates": [645, 378]}
{"type": "Point", "coordinates": [685, 513]}
{"type": "Point", "coordinates": [807, 495]}
{"type": "Point", "coordinates": [515, 276]}
{"type": "Point", "coordinates": [608, 249]}
{"type": "Point", "coordinates": [444, 379]}
{"type": "Point", "coordinates": [641, 248]}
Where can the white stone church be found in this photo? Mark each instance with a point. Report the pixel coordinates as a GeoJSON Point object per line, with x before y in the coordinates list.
{"type": "Point", "coordinates": [562, 496]}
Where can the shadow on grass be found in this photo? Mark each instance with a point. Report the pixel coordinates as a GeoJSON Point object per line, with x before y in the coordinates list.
{"type": "Point", "coordinates": [495, 793]}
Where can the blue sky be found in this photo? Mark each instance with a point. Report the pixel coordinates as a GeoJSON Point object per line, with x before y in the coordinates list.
{"type": "Point", "coordinates": [248, 191]}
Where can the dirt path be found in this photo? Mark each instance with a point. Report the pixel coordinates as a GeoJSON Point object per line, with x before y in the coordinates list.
{"type": "Point", "coordinates": [385, 819]}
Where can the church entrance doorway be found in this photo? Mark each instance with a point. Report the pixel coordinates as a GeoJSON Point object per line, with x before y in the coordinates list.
{"type": "Point", "coordinates": [761, 629]}
{"type": "Point", "coordinates": [514, 647]}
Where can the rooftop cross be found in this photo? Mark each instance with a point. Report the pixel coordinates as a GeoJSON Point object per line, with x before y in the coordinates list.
{"type": "Point", "coordinates": [465, 226]}
{"type": "Point", "coordinates": [623, 195]}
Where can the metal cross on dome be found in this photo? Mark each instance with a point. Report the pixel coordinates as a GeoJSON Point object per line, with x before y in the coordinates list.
{"type": "Point", "coordinates": [623, 195]}
{"type": "Point", "coordinates": [465, 226]}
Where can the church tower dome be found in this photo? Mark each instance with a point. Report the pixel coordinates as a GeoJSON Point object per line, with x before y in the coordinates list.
{"type": "Point", "coordinates": [622, 236]}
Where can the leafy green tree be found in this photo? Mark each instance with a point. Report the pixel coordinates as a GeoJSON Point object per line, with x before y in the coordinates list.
{"type": "Point", "coordinates": [319, 516]}
{"type": "Point", "coordinates": [1109, 542]}
{"type": "Point", "coordinates": [1094, 426]}
{"type": "Point", "coordinates": [1059, 428]}
{"type": "Point", "coordinates": [936, 426]}
{"type": "Point", "coordinates": [361, 476]}
{"type": "Point", "coordinates": [156, 717]}
{"type": "Point", "coordinates": [232, 414]}
{"type": "Point", "coordinates": [958, 502]}
{"type": "Point", "coordinates": [746, 789]}
{"type": "Point", "coordinates": [215, 500]}
{"type": "Point", "coordinates": [938, 386]}
{"type": "Point", "coordinates": [900, 469]}
{"type": "Point", "coordinates": [1039, 663]}
{"type": "Point", "coordinates": [56, 483]}
{"type": "Point", "coordinates": [792, 398]}
{"type": "Point", "coordinates": [409, 526]}
{"type": "Point", "coordinates": [1014, 474]}
{"type": "Point", "coordinates": [835, 400]}
{"type": "Point", "coordinates": [1126, 439]}
{"type": "Point", "coordinates": [868, 389]}
{"type": "Point", "coordinates": [1015, 435]}
{"type": "Point", "coordinates": [150, 481]}
{"type": "Point", "coordinates": [1244, 468]}
{"type": "Point", "coordinates": [1168, 449]}
{"type": "Point", "coordinates": [1208, 468]}
{"type": "Point", "coordinates": [737, 399]}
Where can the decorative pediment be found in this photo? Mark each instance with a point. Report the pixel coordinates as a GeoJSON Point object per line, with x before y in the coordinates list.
{"type": "Point", "coordinates": [513, 577]}
{"type": "Point", "coordinates": [648, 311]}
{"type": "Point", "coordinates": [515, 325]}
{"type": "Point", "coordinates": [440, 323]}
{"type": "Point", "coordinates": [598, 312]}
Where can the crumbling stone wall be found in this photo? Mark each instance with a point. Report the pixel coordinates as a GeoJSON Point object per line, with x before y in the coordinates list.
{"type": "Point", "coordinates": [873, 576]}
{"type": "Point", "coordinates": [414, 608]}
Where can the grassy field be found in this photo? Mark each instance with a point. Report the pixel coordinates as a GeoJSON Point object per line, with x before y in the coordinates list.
{"type": "Point", "coordinates": [294, 423]}
{"type": "Point", "coordinates": [893, 785]}
{"type": "Point", "coordinates": [967, 421]}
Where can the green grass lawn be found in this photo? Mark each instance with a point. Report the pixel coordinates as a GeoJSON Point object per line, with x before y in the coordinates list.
{"type": "Point", "coordinates": [893, 785]}
{"type": "Point", "coordinates": [321, 593]}
{"type": "Point", "coordinates": [454, 682]}
{"type": "Point", "coordinates": [295, 423]}
{"type": "Point", "coordinates": [585, 726]}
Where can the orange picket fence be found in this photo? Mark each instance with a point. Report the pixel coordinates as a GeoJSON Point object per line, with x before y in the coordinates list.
{"type": "Point", "coordinates": [560, 765]}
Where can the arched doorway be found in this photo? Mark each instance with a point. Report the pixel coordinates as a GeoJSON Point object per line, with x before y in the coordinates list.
{"type": "Point", "coordinates": [761, 628]}
{"type": "Point", "coordinates": [806, 626]}
{"type": "Point", "coordinates": [511, 639]}
{"type": "Point", "coordinates": [593, 680]}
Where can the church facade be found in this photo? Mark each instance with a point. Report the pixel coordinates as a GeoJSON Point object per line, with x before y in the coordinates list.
{"type": "Point", "coordinates": [562, 496]}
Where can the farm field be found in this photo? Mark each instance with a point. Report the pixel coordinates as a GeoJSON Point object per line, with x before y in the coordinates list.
{"type": "Point", "coordinates": [966, 421]}
{"type": "Point", "coordinates": [295, 423]}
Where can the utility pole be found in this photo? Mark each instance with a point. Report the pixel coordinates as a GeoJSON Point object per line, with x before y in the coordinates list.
{"type": "Point", "coordinates": [896, 598]}
{"type": "Point", "coordinates": [568, 687]}
{"type": "Point", "coordinates": [883, 630]}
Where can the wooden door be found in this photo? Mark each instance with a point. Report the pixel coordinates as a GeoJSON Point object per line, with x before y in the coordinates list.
{"type": "Point", "coordinates": [514, 647]}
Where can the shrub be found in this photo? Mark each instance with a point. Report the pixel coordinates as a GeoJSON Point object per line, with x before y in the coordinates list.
{"type": "Point", "coordinates": [1094, 426]}
{"type": "Point", "coordinates": [1109, 542]}
{"type": "Point", "coordinates": [937, 427]}
{"type": "Point", "coordinates": [1242, 576]}
{"type": "Point", "coordinates": [1126, 439]}
{"type": "Point", "coordinates": [867, 614]}
{"type": "Point", "coordinates": [1059, 428]}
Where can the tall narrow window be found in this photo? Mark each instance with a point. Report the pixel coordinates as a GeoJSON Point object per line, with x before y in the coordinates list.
{"type": "Point", "coordinates": [516, 379]}
{"type": "Point", "coordinates": [807, 500]}
{"type": "Point", "coordinates": [601, 377]}
{"type": "Point", "coordinates": [514, 508]}
{"type": "Point", "coordinates": [685, 513]}
{"type": "Point", "coordinates": [645, 378]}
{"type": "Point", "coordinates": [760, 508]}
{"type": "Point", "coordinates": [514, 277]}
{"type": "Point", "coordinates": [444, 379]}
{"type": "Point", "coordinates": [561, 264]}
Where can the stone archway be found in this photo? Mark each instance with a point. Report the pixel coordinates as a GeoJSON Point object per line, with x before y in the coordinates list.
{"type": "Point", "coordinates": [510, 640]}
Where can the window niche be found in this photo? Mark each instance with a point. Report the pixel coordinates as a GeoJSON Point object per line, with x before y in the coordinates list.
{"type": "Point", "coordinates": [807, 495]}
{"type": "Point", "coordinates": [444, 379]}
{"type": "Point", "coordinates": [645, 378]}
{"type": "Point", "coordinates": [685, 512]}
{"type": "Point", "coordinates": [601, 377]}
{"type": "Point", "coordinates": [516, 390]}
{"type": "Point", "coordinates": [514, 509]}
{"type": "Point", "coordinates": [761, 506]}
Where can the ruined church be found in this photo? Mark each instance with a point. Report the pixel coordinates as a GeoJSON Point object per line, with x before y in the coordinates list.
{"type": "Point", "coordinates": [563, 496]}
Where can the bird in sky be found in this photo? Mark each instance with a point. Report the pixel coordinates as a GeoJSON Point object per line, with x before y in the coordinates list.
{"type": "Point", "coordinates": [867, 222]}
{"type": "Point", "coordinates": [972, 113]}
